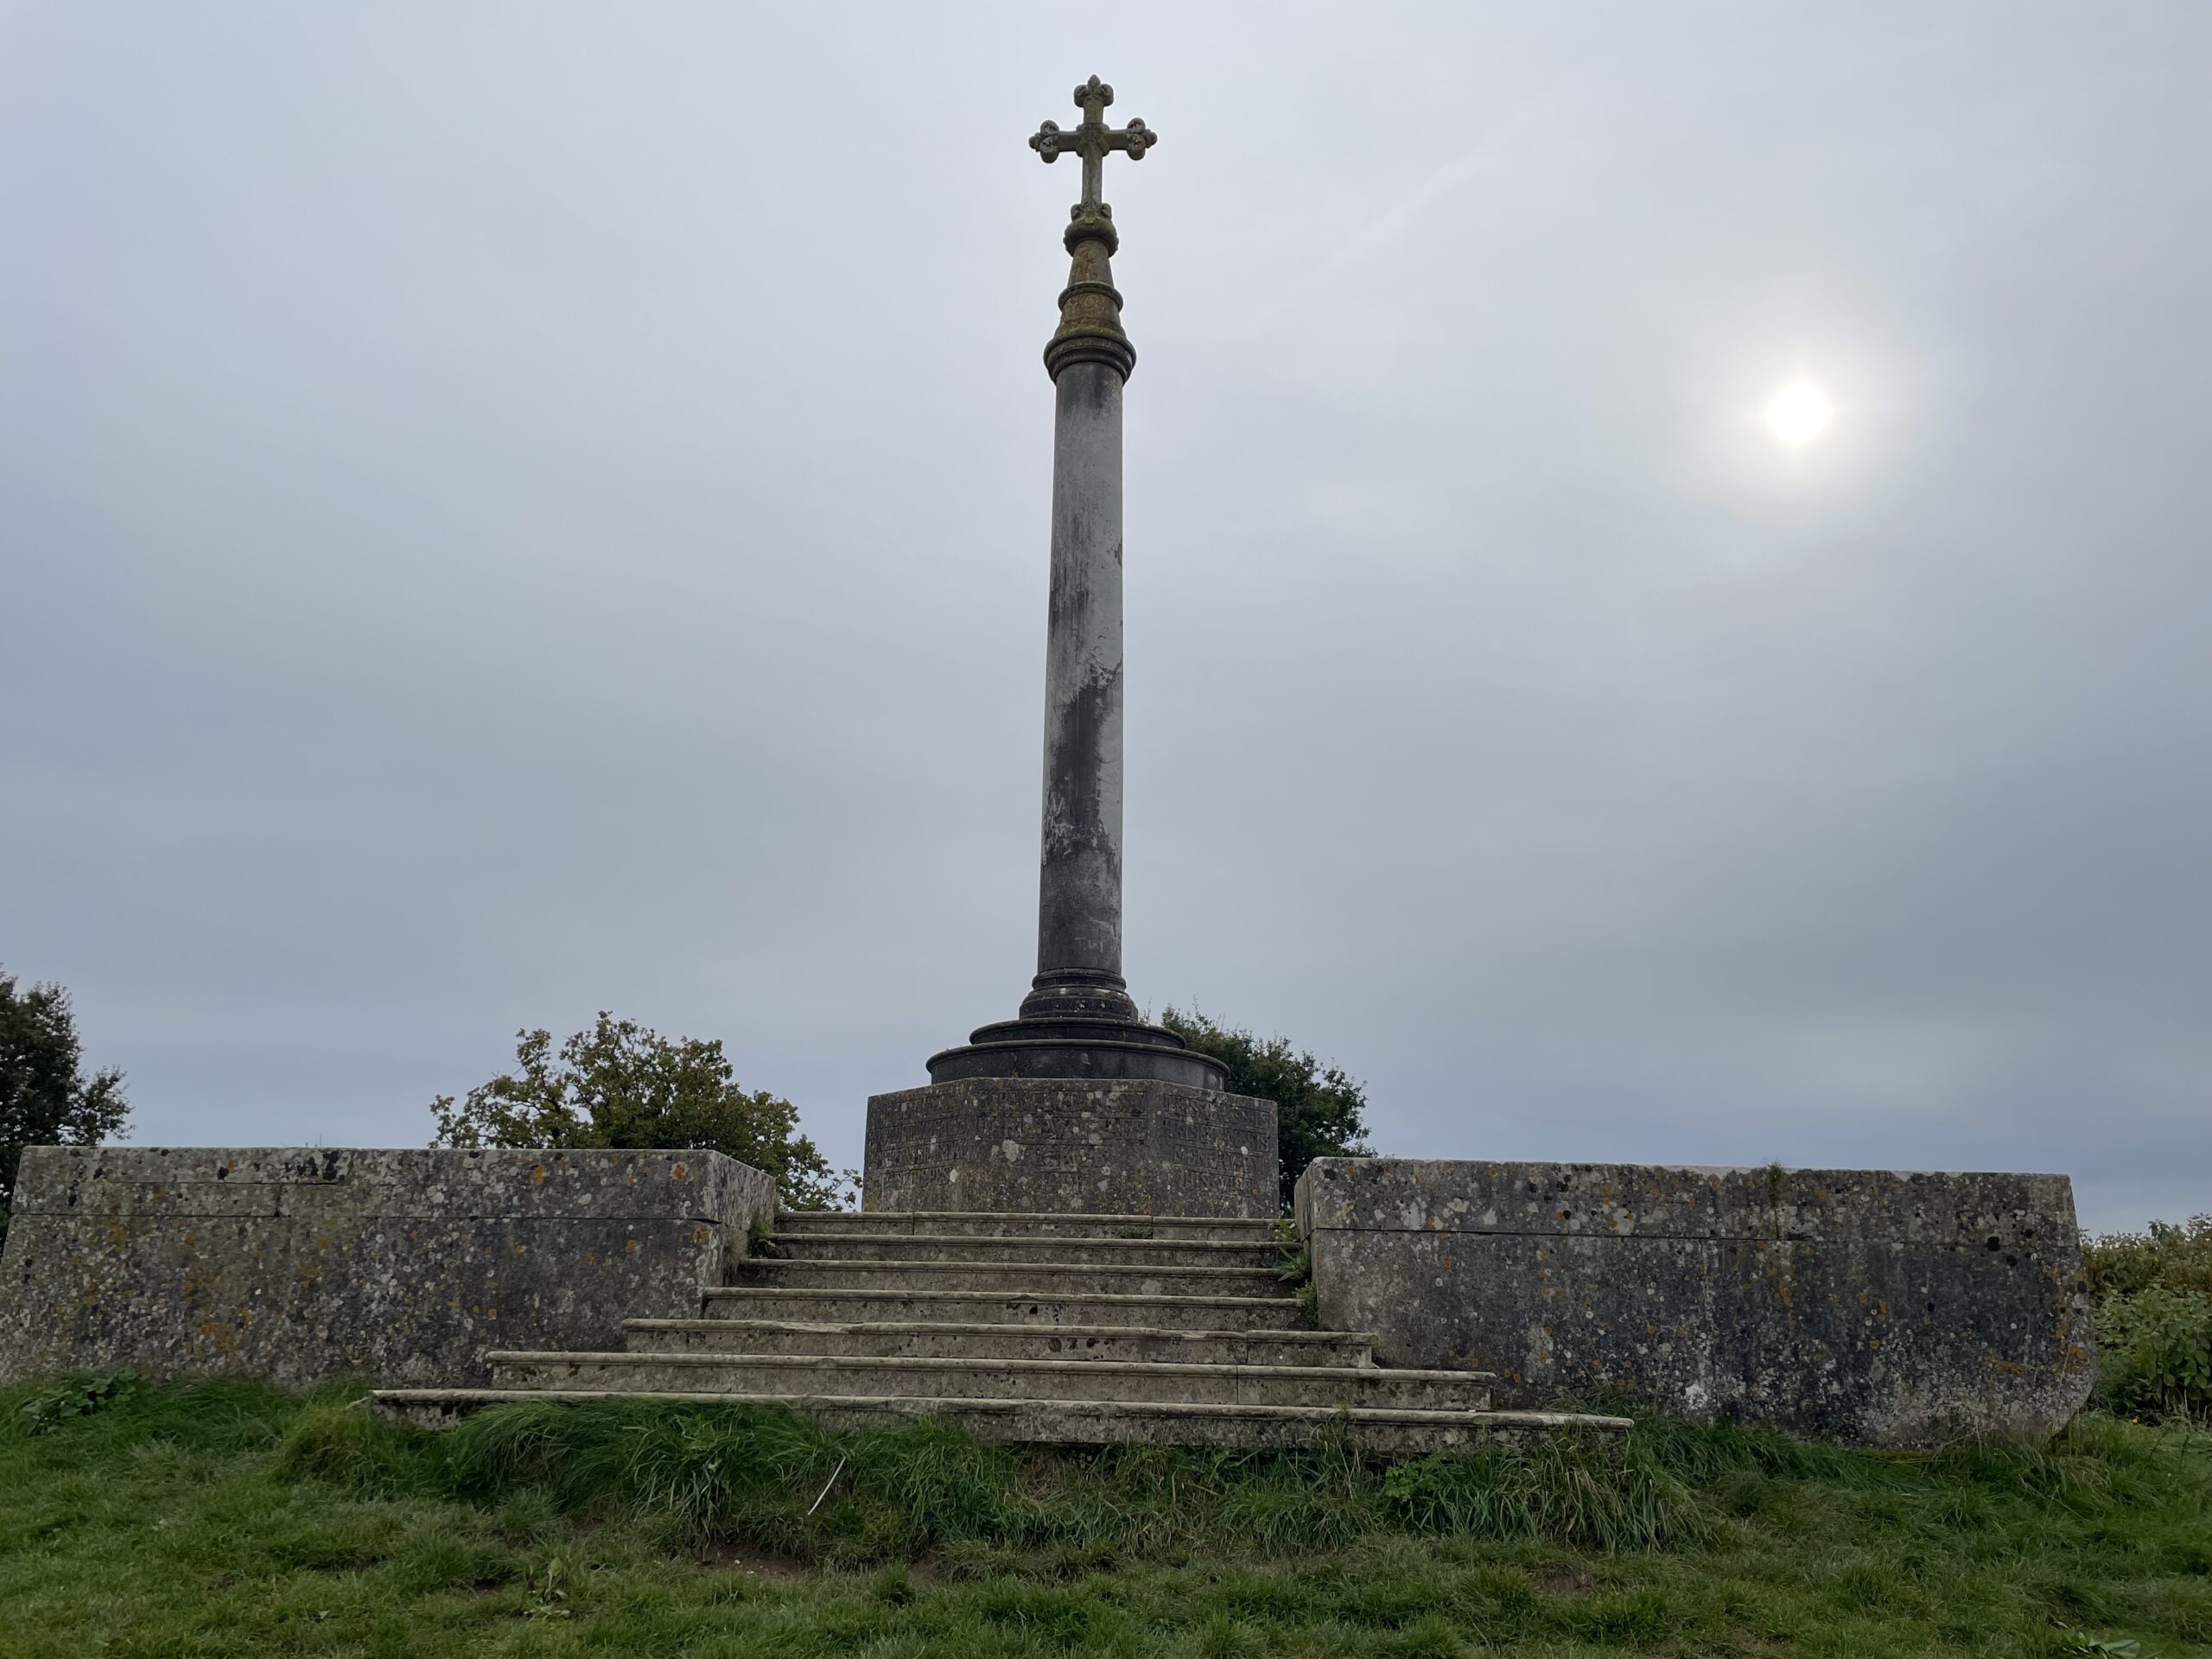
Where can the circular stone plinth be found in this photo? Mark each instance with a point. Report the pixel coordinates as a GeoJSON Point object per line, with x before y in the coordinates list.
{"type": "Point", "coordinates": [1070, 1030]}
{"type": "Point", "coordinates": [1072, 1146]}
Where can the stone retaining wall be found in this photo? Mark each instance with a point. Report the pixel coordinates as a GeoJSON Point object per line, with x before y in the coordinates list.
{"type": "Point", "coordinates": [1888, 1307]}
{"type": "Point", "coordinates": [297, 1264]}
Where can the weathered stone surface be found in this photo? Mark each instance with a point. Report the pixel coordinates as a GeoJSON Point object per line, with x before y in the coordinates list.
{"type": "Point", "coordinates": [964, 1376]}
{"type": "Point", "coordinates": [1014, 1278]}
{"type": "Point", "coordinates": [1888, 1308]}
{"type": "Point", "coordinates": [1130, 1148]}
{"type": "Point", "coordinates": [1029, 1307]}
{"type": "Point", "coordinates": [1107, 1251]}
{"type": "Point", "coordinates": [1078, 1022]}
{"type": "Point", "coordinates": [924, 1339]}
{"type": "Point", "coordinates": [983, 1223]}
{"type": "Point", "coordinates": [297, 1264]}
{"type": "Point", "coordinates": [1079, 916]}
{"type": "Point", "coordinates": [1110, 1422]}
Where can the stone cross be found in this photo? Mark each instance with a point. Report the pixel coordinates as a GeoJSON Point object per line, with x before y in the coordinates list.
{"type": "Point", "coordinates": [1091, 140]}
{"type": "Point", "coordinates": [1079, 1020]}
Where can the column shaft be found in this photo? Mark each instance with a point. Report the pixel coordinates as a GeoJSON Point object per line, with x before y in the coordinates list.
{"type": "Point", "coordinates": [1079, 907]}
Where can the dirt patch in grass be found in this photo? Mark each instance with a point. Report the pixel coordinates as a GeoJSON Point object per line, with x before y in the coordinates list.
{"type": "Point", "coordinates": [1562, 1579]}
{"type": "Point", "coordinates": [728, 1558]}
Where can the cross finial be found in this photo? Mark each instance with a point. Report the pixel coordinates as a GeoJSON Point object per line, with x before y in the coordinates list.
{"type": "Point", "coordinates": [1091, 140]}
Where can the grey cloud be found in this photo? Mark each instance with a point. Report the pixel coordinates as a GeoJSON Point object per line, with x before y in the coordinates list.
{"type": "Point", "coordinates": [512, 511]}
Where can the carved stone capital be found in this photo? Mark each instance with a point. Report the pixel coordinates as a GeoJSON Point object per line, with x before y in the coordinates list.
{"type": "Point", "coordinates": [1090, 314]}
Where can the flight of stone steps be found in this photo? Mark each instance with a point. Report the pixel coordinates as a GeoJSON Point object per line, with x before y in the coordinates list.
{"type": "Point", "coordinates": [1069, 1330]}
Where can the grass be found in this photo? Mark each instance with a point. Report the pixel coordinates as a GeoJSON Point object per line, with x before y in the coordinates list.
{"type": "Point", "coordinates": [216, 1519]}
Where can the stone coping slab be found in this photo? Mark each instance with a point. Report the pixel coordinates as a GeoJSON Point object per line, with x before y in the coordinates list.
{"type": "Point", "coordinates": [325, 1183]}
{"type": "Point", "coordinates": [1685, 1201]}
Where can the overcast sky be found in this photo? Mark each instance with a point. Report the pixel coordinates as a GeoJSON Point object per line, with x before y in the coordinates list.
{"type": "Point", "coordinates": [512, 511]}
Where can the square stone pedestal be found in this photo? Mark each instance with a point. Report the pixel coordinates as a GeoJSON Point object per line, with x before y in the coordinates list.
{"type": "Point", "coordinates": [1072, 1146]}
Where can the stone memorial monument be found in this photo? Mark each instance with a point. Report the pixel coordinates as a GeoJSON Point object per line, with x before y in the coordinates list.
{"type": "Point", "coordinates": [1069, 1237]}
{"type": "Point", "coordinates": [1077, 1104]}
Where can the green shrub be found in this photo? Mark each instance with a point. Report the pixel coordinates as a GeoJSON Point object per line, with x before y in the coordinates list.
{"type": "Point", "coordinates": [2176, 1257]}
{"type": "Point", "coordinates": [77, 1396]}
{"type": "Point", "coordinates": [1320, 1111]}
{"type": "Point", "coordinates": [622, 1084]}
{"type": "Point", "coordinates": [2153, 1296]}
{"type": "Point", "coordinates": [2156, 1348]}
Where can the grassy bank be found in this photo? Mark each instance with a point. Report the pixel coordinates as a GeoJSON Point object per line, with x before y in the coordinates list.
{"type": "Point", "coordinates": [227, 1519]}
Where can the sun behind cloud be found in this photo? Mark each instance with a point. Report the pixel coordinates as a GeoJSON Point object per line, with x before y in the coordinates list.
{"type": "Point", "coordinates": [1799, 412]}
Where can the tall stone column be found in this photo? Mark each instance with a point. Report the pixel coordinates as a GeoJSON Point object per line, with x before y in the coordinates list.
{"type": "Point", "coordinates": [1079, 886]}
{"type": "Point", "coordinates": [1077, 1103]}
{"type": "Point", "coordinates": [1079, 876]}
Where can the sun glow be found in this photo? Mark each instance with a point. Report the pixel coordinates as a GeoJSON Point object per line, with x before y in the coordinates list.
{"type": "Point", "coordinates": [1799, 413]}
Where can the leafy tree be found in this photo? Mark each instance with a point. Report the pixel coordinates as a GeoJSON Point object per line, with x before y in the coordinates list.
{"type": "Point", "coordinates": [46, 1099]}
{"type": "Point", "coordinates": [620, 1084]}
{"type": "Point", "coordinates": [1319, 1111]}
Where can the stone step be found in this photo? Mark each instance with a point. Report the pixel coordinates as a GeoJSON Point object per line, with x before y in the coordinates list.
{"type": "Point", "coordinates": [868, 1303]}
{"type": "Point", "coordinates": [1093, 1422]}
{"type": "Point", "coordinates": [993, 1379]}
{"type": "Point", "coordinates": [1014, 1278]}
{"type": "Point", "coordinates": [854, 1223]}
{"type": "Point", "coordinates": [1078, 1249]}
{"type": "Point", "coordinates": [915, 1340]}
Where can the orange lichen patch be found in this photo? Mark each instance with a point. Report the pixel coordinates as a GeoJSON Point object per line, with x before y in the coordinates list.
{"type": "Point", "coordinates": [629, 1247]}
{"type": "Point", "coordinates": [675, 1172]}
{"type": "Point", "coordinates": [537, 1174]}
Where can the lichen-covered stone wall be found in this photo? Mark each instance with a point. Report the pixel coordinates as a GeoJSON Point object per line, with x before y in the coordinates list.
{"type": "Point", "coordinates": [1882, 1306]}
{"type": "Point", "coordinates": [1071, 1145]}
{"type": "Point", "coordinates": [297, 1264]}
